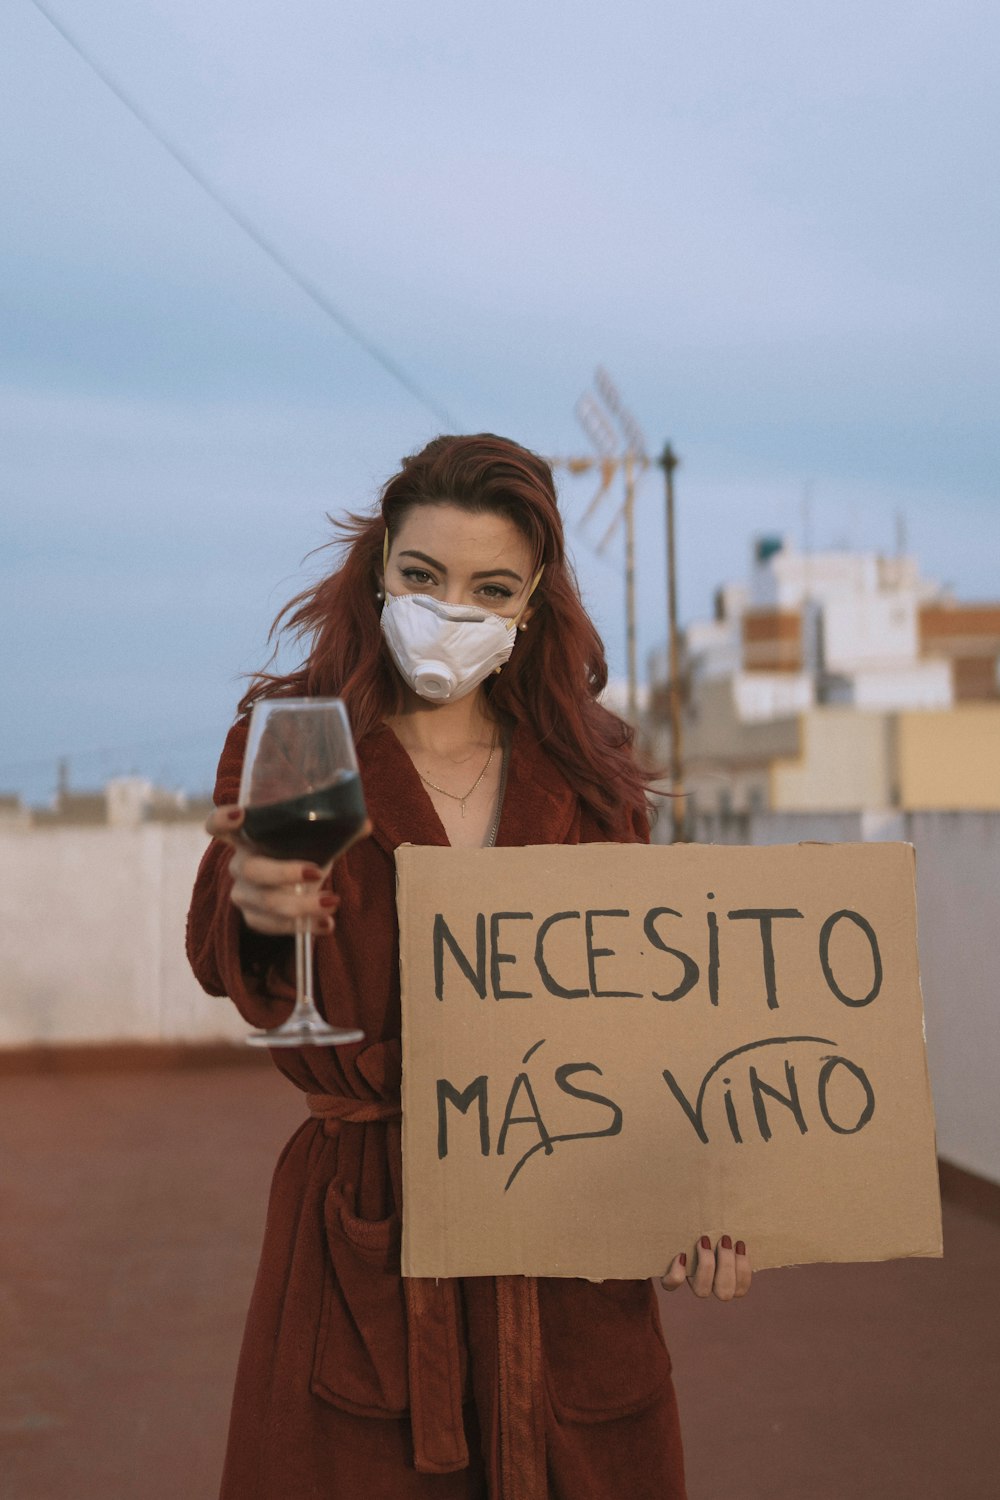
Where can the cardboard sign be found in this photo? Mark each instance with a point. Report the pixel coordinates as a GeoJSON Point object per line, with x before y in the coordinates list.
{"type": "Point", "coordinates": [611, 1050]}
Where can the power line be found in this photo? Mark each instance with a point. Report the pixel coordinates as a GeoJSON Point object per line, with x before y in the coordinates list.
{"type": "Point", "coordinates": [277, 257]}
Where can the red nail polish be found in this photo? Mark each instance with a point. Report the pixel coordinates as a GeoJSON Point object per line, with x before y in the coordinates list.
{"type": "Point", "coordinates": [727, 1243]}
{"type": "Point", "coordinates": [683, 1259]}
{"type": "Point", "coordinates": [329, 901]}
{"type": "Point", "coordinates": [706, 1243]}
{"type": "Point", "coordinates": [234, 814]}
{"type": "Point", "coordinates": [741, 1249]}
{"type": "Point", "coordinates": [309, 872]}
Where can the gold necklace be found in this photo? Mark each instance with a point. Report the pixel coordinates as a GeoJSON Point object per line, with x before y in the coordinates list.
{"type": "Point", "coordinates": [453, 795]}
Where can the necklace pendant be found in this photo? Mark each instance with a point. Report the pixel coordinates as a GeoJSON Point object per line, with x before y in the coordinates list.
{"type": "Point", "coordinates": [463, 806]}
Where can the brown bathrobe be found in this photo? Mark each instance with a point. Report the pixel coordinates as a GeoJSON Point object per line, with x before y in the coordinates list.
{"type": "Point", "coordinates": [353, 1383]}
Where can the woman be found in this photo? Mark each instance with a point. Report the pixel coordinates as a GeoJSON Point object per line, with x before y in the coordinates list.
{"type": "Point", "coordinates": [352, 1382]}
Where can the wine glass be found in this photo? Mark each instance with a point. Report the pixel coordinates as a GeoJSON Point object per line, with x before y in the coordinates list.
{"type": "Point", "coordinates": [302, 799]}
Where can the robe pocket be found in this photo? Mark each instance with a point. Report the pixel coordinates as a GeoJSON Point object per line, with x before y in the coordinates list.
{"type": "Point", "coordinates": [604, 1350]}
{"type": "Point", "coordinates": [360, 1362]}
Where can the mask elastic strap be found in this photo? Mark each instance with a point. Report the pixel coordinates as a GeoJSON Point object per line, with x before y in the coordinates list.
{"type": "Point", "coordinates": [385, 554]}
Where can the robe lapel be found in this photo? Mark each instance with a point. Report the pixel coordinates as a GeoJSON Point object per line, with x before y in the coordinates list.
{"type": "Point", "coordinates": [400, 809]}
{"type": "Point", "coordinates": [539, 806]}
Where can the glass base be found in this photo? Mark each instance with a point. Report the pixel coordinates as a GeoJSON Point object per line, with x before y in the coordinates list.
{"type": "Point", "coordinates": [311, 1033]}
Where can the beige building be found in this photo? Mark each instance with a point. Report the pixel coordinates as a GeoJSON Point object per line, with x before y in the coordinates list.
{"type": "Point", "coordinates": [950, 761]}
{"type": "Point", "coordinates": [845, 761]}
{"type": "Point", "coordinates": [944, 760]}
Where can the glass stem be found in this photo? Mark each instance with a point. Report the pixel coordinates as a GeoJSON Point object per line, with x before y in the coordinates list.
{"type": "Point", "coordinates": [307, 965]}
{"type": "Point", "coordinates": [300, 977]}
{"type": "Point", "coordinates": [304, 1003]}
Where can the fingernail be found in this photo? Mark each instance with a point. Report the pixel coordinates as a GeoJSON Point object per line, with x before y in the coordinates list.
{"type": "Point", "coordinates": [727, 1243]}
{"type": "Point", "coordinates": [329, 900]}
{"type": "Point", "coordinates": [234, 814]}
{"type": "Point", "coordinates": [741, 1249]}
{"type": "Point", "coordinates": [683, 1258]}
{"type": "Point", "coordinates": [310, 872]}
{"type": "Point", "coordinates": [706, 1243]}
{"type": "Point", "coordinates": [325, 924]}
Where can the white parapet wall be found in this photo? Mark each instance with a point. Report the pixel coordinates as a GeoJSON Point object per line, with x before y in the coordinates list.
{"type": "Point", "coordinates": [92, 938]}
{"type": "Point", "coordinates": [958, 909]}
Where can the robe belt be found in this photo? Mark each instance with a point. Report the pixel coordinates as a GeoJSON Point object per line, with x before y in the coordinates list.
{"type": "Point", "coordinates": [521, 1390]}
{"type": "Point", "coordinates": [433, 1317]}
{"type": "Point", "coordinates": [355, 1111]}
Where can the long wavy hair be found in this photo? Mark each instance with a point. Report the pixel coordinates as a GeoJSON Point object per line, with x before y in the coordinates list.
{"type": "Point", "coordinates": [558, 668]}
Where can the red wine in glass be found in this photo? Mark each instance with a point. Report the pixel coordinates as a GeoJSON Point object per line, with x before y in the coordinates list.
{"type": "Point", "coordinates": [302, 800]}
{"type": "Point", "coordinates": [316, 826]}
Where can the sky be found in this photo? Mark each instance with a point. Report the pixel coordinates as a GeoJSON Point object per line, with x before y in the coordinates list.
{"type": "Point", "coordinates": [776, 225]}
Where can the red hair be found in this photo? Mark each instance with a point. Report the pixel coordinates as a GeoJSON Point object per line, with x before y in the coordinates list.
{"type": "Point", "coordinates": [558, 668]}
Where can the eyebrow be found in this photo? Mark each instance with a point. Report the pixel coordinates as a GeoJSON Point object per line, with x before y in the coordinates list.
{"type": "Point", "coordinates": [489, 573]}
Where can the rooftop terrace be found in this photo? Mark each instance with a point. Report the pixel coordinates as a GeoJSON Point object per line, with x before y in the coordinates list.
{"type": "Point", "coordinates": [133, 1205]}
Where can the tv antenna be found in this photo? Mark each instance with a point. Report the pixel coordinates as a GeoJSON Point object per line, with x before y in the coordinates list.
{"type": "Point", "coordinates": [620, 448]}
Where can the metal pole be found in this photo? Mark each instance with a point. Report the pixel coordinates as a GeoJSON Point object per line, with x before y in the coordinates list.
{"type": "Point", "coordinates": [668, 462]}
{"type": "Point", "coordinates": [633, 676]}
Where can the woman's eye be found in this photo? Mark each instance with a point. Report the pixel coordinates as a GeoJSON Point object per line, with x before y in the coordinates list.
{"type": "Point", "coordinates": [496, 591]}
{"type": "Point", "coordinates": [417, 576]}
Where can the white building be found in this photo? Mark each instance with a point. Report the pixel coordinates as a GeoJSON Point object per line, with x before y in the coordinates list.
{"type": "Point", "coordinates": [812, 673]}
{"type": "Point", "coordinates": [828, 627]}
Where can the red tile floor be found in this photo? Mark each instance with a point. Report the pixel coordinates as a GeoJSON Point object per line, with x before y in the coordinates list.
{"type": "Point", "coordinates": [131, 1205]}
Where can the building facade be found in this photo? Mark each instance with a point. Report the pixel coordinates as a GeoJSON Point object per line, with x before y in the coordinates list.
{"type": "Point", "coordinates": [838, 681]}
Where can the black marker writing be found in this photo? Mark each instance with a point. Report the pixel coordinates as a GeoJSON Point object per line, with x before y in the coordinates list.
{"type": "Point", "coordinates": [761, 1091]}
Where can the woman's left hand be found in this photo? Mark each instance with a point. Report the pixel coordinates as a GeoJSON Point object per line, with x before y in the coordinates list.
{"type": "Point", "coordinates": [723, 1272]}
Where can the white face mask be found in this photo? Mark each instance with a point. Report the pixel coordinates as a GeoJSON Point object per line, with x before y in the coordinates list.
{"type": "Point", "coordinates": [444, 650]}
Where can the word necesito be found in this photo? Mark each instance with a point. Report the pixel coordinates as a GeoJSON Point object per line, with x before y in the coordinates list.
{"type": "Point", "coordinates": [479, 961]}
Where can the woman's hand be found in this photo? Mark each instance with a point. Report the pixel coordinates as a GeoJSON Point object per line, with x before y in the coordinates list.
{"type": "Point", "coordinates": [272, 894]}
{"type": "Point", "coordinates": [723, 1272]}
